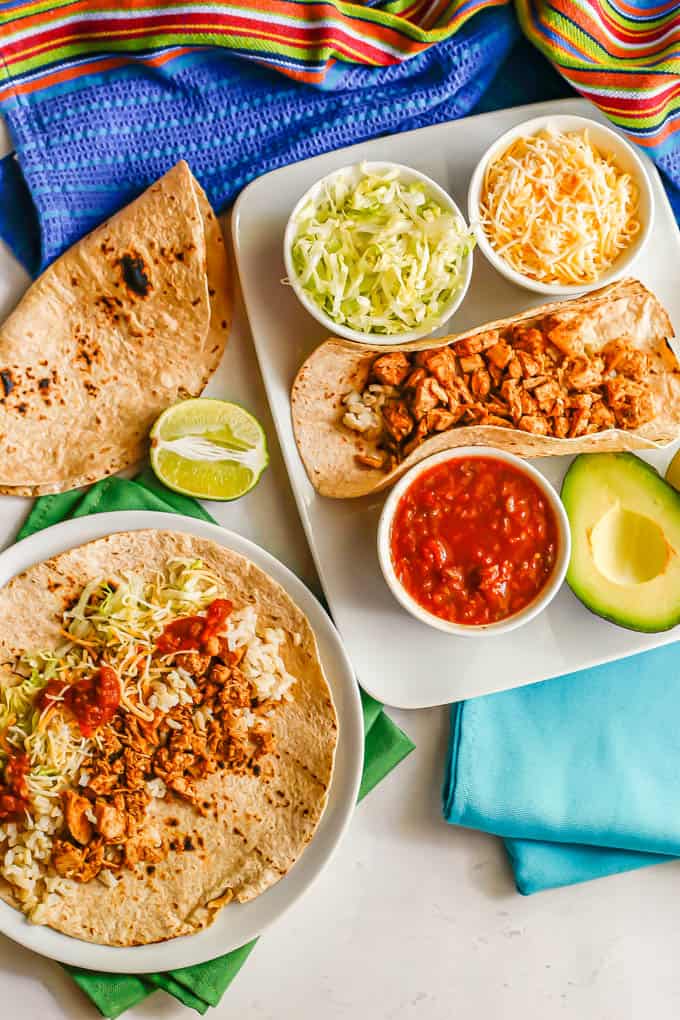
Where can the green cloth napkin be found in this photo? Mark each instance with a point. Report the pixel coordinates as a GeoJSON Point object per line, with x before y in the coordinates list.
{"type": "Point", "coordinates": [203, 985]}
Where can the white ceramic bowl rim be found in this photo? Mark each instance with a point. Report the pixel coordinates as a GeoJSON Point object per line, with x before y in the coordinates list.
{"type": "Point", "coordinates": [377, 339]}
{"type": "Point", "coordinates": [542, 598]}
{"type": "Point", "coordinates": [569, 122]}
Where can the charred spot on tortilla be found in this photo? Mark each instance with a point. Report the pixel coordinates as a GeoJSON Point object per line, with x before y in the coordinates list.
{"type": "Point", "coordinates": [44, 384]}
{"type": "Point", "coordinates": [133, 269]}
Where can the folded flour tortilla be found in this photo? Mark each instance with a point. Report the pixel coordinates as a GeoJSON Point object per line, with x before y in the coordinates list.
{"type": "Point", "coordinates": [258, 822]}
{"type": "Point", "coordinates": [625, 309]}
{"type": "Point", "coordinates": [127, 321]}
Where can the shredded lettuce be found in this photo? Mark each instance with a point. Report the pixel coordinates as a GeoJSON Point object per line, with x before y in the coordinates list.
{"type": "Point", "coordinates": [380, 256]}
{"type": "Point", "coordinates": [118, 618]}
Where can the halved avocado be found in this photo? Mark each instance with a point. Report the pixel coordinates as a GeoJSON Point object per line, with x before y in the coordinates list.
{"type": "Point", "coordinates": [625, 533]}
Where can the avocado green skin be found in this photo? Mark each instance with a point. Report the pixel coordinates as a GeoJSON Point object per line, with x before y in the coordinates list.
{"type": "Point", "coordinates": [581, 474]}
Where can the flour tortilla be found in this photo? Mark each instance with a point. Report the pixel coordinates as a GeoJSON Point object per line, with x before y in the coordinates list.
{"type": "Point", "coordinates": [624, 309]}
{"type": "Point", "coordinates": [261, 826]}
{"type": "Point", "coordinates": [89, 362]}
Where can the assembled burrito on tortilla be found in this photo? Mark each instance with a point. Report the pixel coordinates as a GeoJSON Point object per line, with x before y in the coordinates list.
{"type": "Point", "coordinates": [127, 321]}
{"type": "Point", "coordinates": [595, 373]}
{"type": "Point", "coordinates": [167, 736]}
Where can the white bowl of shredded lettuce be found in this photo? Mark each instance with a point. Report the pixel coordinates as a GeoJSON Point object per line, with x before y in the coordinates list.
{"type": "Point", "coordinates": [378, 253]}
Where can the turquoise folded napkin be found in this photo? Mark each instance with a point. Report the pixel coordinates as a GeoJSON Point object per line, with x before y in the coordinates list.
{"type": "Point", "coordinates": [579, 775]}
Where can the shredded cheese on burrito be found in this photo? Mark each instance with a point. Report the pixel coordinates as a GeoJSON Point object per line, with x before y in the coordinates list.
{"type": "Point", "coordinates": [558, 210]}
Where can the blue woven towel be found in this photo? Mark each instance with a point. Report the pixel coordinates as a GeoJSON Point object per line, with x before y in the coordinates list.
{"type": "Point", "coordinates": [89, 149]}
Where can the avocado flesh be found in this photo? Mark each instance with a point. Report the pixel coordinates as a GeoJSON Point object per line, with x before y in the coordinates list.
{"type": "Point", "coordinates": [625, 533]}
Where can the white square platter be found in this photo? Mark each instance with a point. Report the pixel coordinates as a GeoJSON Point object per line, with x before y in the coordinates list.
{"type": "Point", "coordinates": [399, 660]}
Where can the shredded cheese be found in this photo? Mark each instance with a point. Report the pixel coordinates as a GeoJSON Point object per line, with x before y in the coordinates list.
{"type": "Point", "coordinates": [557, 210]}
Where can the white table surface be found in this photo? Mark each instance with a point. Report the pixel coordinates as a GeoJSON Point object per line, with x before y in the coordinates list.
{"type": "Point", "coordinates": [414, 918]}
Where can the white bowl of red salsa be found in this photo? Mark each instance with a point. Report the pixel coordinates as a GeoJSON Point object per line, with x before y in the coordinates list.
{"type": "Point", "coordinates": [474, 541]}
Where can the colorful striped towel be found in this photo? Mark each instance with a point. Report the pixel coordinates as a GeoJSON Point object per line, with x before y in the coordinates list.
{"type": "Point", "coordinates": [102, 100]}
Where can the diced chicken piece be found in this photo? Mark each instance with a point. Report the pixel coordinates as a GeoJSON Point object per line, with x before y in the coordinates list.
{"type": "Point", "coordinates": [561, 427]}
{"type": "Point", "coordinates": [220, 674]}
{"type": "Point", "coordinates": [510, 392]}
{"type": "Point", "coordinates": [530, 339]}
{"type": "Point", "coordinates": [535, 424]}
{"type": "Point", "coordinates": [417, 437]}
{"type": "Point", "coordinates": [533, 381]}
{"type": "Point", "coordinates": [103, 783]}
{"type": "Point", "coordinates": [70, 861]}
{"type": "Point", "coordinates": [471, 362]}
{"type": "Point", "coordinates": [429, 394]}
{"type": "Point", "coordinates": [441, 364]}
{"type": "Point", "coordinates": [494, 419]}
{"type": "Point", "coordinates": [621, 356]}
{"type": "Point", "coordinates": [496, 406]}
{"type": "Point", "coordinates": [480, 383]}
{"type": "Point", "coordinates": [236, 690]}
{"type": "Point", "coordinates": [108, 741]}
{"type": "Point", "coordinates": [514, 369]}
{"type": "Point", "coordinates": [529, 405]}
{"type": "Point", "coordinates": [530, 364]}
{"type": "Point", "coordinates": [416, 376]}
{"type": "Point", "coordinates": [183, 787]}
{"type": "Point", "coordinates": [459, 393]}
{"type": "Point", "coordinates": [500, 354]}
{"type": "Point", "coordinates": [546, 395]}
{"type": "Point", "coordinates": [76, 809]}
{"type": "Point", "coordinates": [476, 344]}
{"type": "Point", "coordinates": [496, 374]}
{"type": "Point", "coordinates": [582, 373]}
{"type": "Point", "coordinates": [142, 849]}
{"type": "Point", "coordinates": [391, 369]}
{"type": "Point", "coordinates": [194, 662]}
{"type": "Point", "coordinates": [563, 337]}
{"type": "Point", "coordinates": [580, 401]}
{"type": "Point", "coordinates": [601, 417]}
{"type": "Point", "coordinates": [398, 421]}
{"type": "Point", "coordinates": [580, 420]}
{"type": "Point", "coordinates": [111, 822]}
{"type": "Point", "coordinates": [439, 420]}
{"type": "Point", "coordinates": [370, 460]}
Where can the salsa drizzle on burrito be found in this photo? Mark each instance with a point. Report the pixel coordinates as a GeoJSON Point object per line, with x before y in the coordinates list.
{"type": "Point", "coordinates": [156, 750]}
{"type": "Point", "coordinates": [594, 373]}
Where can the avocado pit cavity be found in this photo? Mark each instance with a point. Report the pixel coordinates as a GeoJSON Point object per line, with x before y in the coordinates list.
{"type": "Point", "coordinates": [628, 548]}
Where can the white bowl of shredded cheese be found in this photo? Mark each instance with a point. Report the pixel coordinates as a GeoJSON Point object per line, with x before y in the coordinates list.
{"type": "Point", "coordinates": [561, 205]}
{"type": "Point", "coordinates": [378, 253]}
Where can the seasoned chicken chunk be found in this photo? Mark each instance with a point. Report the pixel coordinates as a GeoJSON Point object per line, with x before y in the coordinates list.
{"type": "Point", "coordinates": [398, 421]}
{"type": "Point", "coordinates": [76, 810]}
{"type": "Point", "coordinates": [621, 356]}
{"type": "Point", "coordinates": [535, 424]}
{"type": "Point", "coordinates": [80, 864]}
{"type": "Point", "coordinates": [429, 394]}
{"type": "Point", "coordinates": [500, 354]}
{"type": "Point", "coordinates": [441, 364]}
{"type": "Point", "coordinates": [391, 369]}
{"type": "Point", "coordinates": [111, 823]}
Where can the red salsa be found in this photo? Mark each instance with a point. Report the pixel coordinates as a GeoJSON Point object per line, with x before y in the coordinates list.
{"type": "Point", "coordinates": [191, 632]}
{"type": "Point", "coordinates": [14, 791]}
{"type": "Point", "coordinates": [474, 540]}
{"type": "Point", "coordinates": [93, 701]}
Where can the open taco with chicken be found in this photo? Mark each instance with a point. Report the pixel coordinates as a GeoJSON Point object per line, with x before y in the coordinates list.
{"type": "Point", "coordinates": [595, 373]}
{"type": "Point", "coordinates": [131, 318]}
{"type": "Point", "coordinates": [167, 736]}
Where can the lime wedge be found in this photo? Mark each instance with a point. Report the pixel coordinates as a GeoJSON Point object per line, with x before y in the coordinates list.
{"type": "Point", "coordinates": [673, 472]}
{"type": "Point", "coordinates": [208, 448]}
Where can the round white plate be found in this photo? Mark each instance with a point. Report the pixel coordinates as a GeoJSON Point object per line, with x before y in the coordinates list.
{"type": "Point", "coordinates": [239, 922]}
